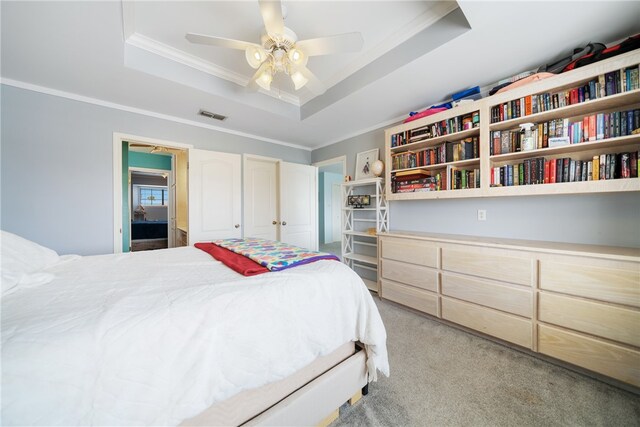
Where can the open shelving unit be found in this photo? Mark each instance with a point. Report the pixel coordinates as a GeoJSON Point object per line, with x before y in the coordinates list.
{"type": "Point", "coordinates": [398, 139]}
{"type": "Point", "coordinates": [360, 228]}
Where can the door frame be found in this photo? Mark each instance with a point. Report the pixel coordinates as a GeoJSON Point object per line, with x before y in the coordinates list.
{"type": "Point", "coordinates": [336, 226]}
{"type": "Point", "coordinates": [340, 159]}
{"type": "Point", "coordinates": [334, 160]}
{"type": "Point", "coordinates": [246, 158]}
{"type": "Point", "coordinates": [118, 139]}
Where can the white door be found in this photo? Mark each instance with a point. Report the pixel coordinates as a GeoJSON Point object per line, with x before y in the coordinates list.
{"type": "Point", "coordinates": [336, 212]}
{"type": "Point", "coordinates": [298, 204]}
{"type": "Point", "coordinates": [261, 198]}
{"type": "Point", "coordinates": [214, 196]}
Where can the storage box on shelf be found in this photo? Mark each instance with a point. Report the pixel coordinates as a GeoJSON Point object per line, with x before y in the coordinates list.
{"type": "Point", "coordinates": [582, 136]}
{"type": "Point", "coordinates": [576, 303]}
{"type": "Point", "coordinates": [360, 228]}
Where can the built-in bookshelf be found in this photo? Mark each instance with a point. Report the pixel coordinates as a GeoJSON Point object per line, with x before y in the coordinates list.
{"type": "Point", "coordinates": [576, 132]}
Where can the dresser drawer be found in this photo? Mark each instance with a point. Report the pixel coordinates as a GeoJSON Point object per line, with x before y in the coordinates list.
{"type": "Point", "coordinates": [610, 281]}
{"type": "Point", "coordinates": [410, 274]}
{"type": "Point", "coordinates": [615, 323]}
{"type": "Point", "coordinates": [498, 264]}
{"type": "Point", "coordinates": [418, 299]}
{"type": "Point", "coordinates": [491, 322]}
{"type": "Point", "coordinates": [609, 359]}
{"type": "Point", "coordinates": [504, 298]}
{"type": "Point", "coordinates": [412, 251]}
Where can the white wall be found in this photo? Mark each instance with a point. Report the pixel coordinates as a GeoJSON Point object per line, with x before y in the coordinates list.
{"type": "Point", "coordinates": [56, 165]}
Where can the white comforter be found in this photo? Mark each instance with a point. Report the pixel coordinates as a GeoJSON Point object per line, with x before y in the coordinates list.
{"type": "Point", "coordinates": [156, 337]}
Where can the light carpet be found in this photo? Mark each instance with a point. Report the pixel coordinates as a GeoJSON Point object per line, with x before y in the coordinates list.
{"type": "Point", "coordinates": [442, 376]}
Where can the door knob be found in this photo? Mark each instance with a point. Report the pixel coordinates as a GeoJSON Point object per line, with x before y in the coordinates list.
{"type": "Point", "coordinates": [284, 222]}
{"type": "Point", "coordinates": [237, 226]}
{"type": "Point", "coordinates": [274, 222]}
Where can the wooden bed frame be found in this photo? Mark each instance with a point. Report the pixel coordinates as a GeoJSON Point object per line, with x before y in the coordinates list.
{"type": "Point", "coordinates": [315, 403]}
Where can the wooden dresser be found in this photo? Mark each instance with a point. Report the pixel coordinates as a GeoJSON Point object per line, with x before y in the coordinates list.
{"type": "Point", "coordinates": [576, 303]}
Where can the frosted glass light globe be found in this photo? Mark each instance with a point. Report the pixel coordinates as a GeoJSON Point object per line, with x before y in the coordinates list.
{"type": "Point", "coordinates": [377, 167]}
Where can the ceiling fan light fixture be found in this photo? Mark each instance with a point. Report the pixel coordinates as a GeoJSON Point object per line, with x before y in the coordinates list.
{"type": "Point", "coordinates": [297, 57]}
{"type": "Point", "coordinates": [255, 56]}
{"type": "Point", "coordinates": [299, 80]}
{"type": "Point", "coordinates": [264, 81]}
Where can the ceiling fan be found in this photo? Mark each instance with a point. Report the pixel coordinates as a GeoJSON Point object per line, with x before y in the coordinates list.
{"type": "Point", "coordinates": [280, 50]}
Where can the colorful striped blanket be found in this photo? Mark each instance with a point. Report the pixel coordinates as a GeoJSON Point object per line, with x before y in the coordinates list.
{"type": "Point", "coordinates": [273, 255]}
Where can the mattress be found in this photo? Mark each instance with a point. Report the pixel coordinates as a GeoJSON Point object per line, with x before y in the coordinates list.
{"type": "Point", "coordinates": [156, 338]}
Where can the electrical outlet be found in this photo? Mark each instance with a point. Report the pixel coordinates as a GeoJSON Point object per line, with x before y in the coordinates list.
{"type": "Point", "coordinates": [482, 215]}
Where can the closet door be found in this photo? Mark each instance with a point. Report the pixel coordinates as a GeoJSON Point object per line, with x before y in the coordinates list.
{"type": "Point", "coordinates": [261, 198]}
{"type": "Point", "coordinates": [214, 196]}
{"type": "Point", "coordinates": [298, 205]}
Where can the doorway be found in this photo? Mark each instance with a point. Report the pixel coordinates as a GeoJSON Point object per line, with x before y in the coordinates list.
{"type": "Point", "coordinates": [331, 175]}
{"type": "Point", "coordinates": [150, 205]}
{"type": "Point", "coordinates": [154, 197]}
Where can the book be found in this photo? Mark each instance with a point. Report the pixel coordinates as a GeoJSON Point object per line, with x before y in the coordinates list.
{"type": "Point", "coordinates": [422, 172]}
{"type": "Point", "coordinates": [547, 171]}
{"type": "Point", "coordinates": [558, 141]}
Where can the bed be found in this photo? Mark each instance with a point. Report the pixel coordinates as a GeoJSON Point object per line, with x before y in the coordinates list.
{"type": "Point", "coordinates": [149, 230]}
{"type": "Point", "coordinates": [174, 337]}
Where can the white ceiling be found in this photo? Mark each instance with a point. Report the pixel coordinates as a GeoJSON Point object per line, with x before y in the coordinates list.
{"type": "Point", "coordinates": [416, 53]}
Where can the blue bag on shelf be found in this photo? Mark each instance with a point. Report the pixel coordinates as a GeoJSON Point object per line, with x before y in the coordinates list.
{"type": "Point", "coordinates": [471, 93]}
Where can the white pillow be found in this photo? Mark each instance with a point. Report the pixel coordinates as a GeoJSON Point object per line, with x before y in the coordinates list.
{"type": "Point", "coordinates": [21, 257]}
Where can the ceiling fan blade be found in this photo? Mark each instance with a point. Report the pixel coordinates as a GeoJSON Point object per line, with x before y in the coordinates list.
{"type": "Point", "coordinates": [314, 84]}
{"type": "Point", "coordinates": [271, 12]}
{"type": "Point", "coordinates": [348, 42]}
{"type": "Point", "coordinates": [219, 41]}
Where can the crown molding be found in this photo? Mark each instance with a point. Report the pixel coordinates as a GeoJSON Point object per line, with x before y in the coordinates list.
{"type": "Point", "coordinates": [135, 110]}
{"type": "Point", "coordinates": [153, 46]}
{"type": "Point", "coordinates": [359, 132]}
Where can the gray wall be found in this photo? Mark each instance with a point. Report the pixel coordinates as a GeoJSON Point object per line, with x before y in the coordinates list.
{"type": "Point", "coordinates": [604, 219]}
{"type": "Point", "coordinates": [57, 172]}
{"type": "Point", "coordinates": [351, 147]}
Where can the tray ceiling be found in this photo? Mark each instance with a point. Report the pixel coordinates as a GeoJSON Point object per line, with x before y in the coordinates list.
{"type": "Point", "coordinates": [132, 55]}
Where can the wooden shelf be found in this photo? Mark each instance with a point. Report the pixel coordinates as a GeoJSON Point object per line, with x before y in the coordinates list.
{"type": "Point", "coordinates": [426, 143]}
{"type": "Point", "coordinates": [362, 209]}
{"type": "Point", "coordinates": [584, 151]}
{"type": "Point", "coordinates": [444, 194]}
{"type": "Point", "coordinates": [362, 182]}
{"type": "Point", "coordinates": [360, 242]}
{"type": "Point", "coordinates": [619, 142]}
{"type": "Point", "coordinates": [371, 285]}
{"type": "Point", "coordinates": [360, 233]}
{"type": "Point", "coordinates": [606, 185]}
{"type": "Point", "coordinates": [361, 258]}
{"type": "Point", "coordinates": [459, 163]}
{"type": "Point", "coordinates": [618, 100]}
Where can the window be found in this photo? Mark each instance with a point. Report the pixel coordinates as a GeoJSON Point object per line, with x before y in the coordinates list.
{"type": "Point", "coordinates": [154, 196]}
